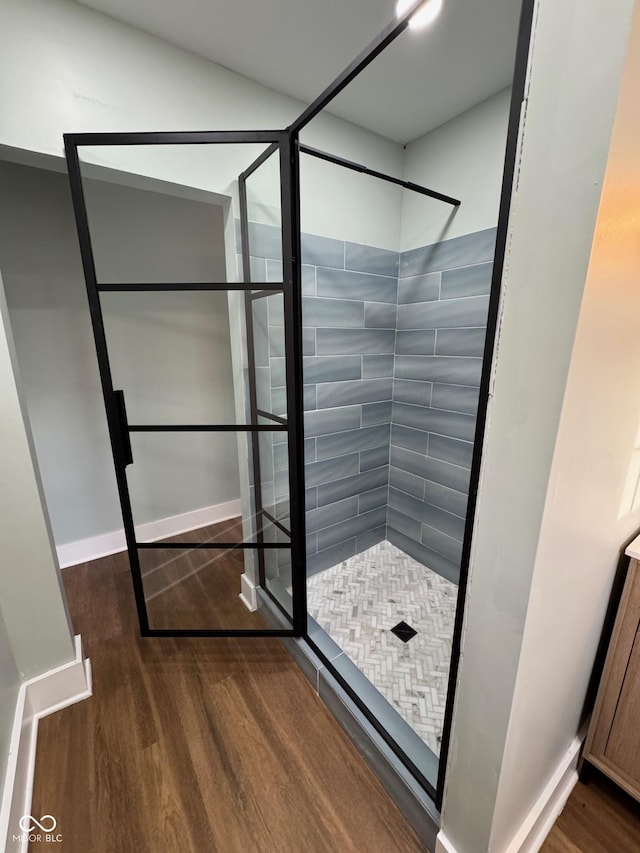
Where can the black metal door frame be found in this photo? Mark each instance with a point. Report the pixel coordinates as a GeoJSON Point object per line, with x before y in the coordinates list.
{"type": "Point", "coordinates": [119, 427]}
{"type": "Point", "coordinates": [292, 297]}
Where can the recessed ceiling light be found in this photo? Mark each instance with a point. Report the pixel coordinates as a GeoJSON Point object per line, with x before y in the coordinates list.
{"type": "Point", "coordinates": [423, 16]}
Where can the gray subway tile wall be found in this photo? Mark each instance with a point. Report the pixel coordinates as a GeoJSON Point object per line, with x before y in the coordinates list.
{"type": "Point", "coordinates": [464, 251]}
{"type": "Point", "coordinates": [450, 450]}
{"type": "Point", "coordinates": [355, 341]}
{"type": "Point", "coordinates": [333, 313]}
{"type": "Point", "coordinates": [434, 420]}
{"type": "Point", "coordinates": [474, 280]}
{"type": "Point", "coordinates": [455, 398]}
{"type": "Point", "coordinates": [419, 288]}
{"type": "Point", "coordinates": [355, 440]}
{"type": "Point", "coordinates": [380, 315]}
{"type": "Point", "coordinates": [466, 342]}
{"type": "Point", "coordinates": [351, 316]}
{"type": "Point", "coordinates": [346, 284]}
{"type": "Point", "coordinates": [444, 314]}
{"type": "Point", "coordinates": [376, 413]}
{"type": "Point", "coordinates": [265, 241]}
{"type": "Point", "coordinates": [308, 280]}
{"type": "Point", "coordinates": [417, 342]}
{"type": "Point", "coordinates": [358, 391]}
{"type": "Point", "coordinates": [393, 348]}
{"type": "Point", "coordinates": [443, 295]}
{"type": "Point", "coordinates": [454, 370]}
{"type": "Point", "coordinates": [345, 487]}
{"type": "Point", "coordinates": [332, 368]}
{"type": "Point", "coordinates": [368, 259]}
{"type": "Point", "coordinates": [322, 251]}
{"type": "Point", "coordinates": [374, 458]}
{"type": "Point", "coordinates": [328, 470]}
{"type": "Point", "coordinates": [351, 527]}
{"type": "Point", "coordinates": [373, 499]}
{"type": "Point", "coordinates": [377, 366]}
{"type": "Point", "coordinates": [409, 439]}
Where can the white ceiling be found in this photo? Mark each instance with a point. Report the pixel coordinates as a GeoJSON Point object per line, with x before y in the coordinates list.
{"type": "Point", "coordinates": [298, 46]}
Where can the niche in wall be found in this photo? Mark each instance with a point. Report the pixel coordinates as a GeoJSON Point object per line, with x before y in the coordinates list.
{"type": "Point", "coordinates": [171, 353]}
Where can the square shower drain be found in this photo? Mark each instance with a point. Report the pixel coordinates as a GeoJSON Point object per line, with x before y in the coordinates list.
{"type": "Point", "coordinates": [403, 631]}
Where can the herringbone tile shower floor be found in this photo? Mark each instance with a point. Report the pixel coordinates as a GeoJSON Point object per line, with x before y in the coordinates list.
{"type": "Point", "coordinates": [357, 603]}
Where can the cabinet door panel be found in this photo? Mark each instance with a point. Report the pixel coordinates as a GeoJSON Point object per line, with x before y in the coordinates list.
{"type": "Point", "coordinates": [623, 745]}
{"type": "Point", "coordinates": [620, 650]}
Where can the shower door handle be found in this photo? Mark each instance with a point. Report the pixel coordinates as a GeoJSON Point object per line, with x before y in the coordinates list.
{"type": "Point", "coordinates": [123, 429]}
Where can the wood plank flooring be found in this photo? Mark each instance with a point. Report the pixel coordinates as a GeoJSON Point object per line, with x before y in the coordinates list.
{"type": "Point", "coordinates": [199, 745]}
{"type": "Point", "coordinates": [598, 818]}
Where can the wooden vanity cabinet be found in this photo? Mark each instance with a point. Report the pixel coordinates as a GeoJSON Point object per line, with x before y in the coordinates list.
{"type": "Point", "coordinates": [613, 740]}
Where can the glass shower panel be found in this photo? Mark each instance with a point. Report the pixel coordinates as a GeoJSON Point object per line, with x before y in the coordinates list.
{"type": "Point", "coordinates": [171, 354]}
{"type": "Point", "coordinates": [198, 589]}
{"type": "Point", "coordinates": [177, 332]}
{"type": "Point", "coordinates": [183, 481]}
{"type": "Point", "coordinates": [376, 394]}
{"type": "Point", "coordinates": [274, 474]}
{"type": "Point", "coordinates": [264, 216]}
{"type": "Point", "coordinates": [263, 252]}
{"type": "Point", "coordinates": [277, 566]}
{"type": "Point", "coordinates": [156, 212]}
{"type": "Point", "coordinates": [269, 353]}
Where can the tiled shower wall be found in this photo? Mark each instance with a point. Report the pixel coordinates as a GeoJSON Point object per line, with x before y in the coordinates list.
{"type": "Point", "coordinates": [443, 298]}
{"type": "Point", "coordinates": [349, 318]}
{"type": "Point", "coordinates": [392, 347]}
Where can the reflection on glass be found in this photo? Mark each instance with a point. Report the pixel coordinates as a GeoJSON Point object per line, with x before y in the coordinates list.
{"type": "Point", "coordinates": [195, 589]}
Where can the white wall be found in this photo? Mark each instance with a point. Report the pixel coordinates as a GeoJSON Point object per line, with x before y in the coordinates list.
{"type": "Point", "coordinates": [563, 147]}
{"type": "Point", "coordinates": [170, 353]}
{"type": "Point", "coordinates": [9, 686]}
{"type": "Point", "coordinates": [463, 158]}
{"type": "Point", "coordinates": [50, 320]}
{"type": "Point", "coordinates": [32, 603]}
{"type": "Point", "coordinates": [35, 632]}
{"type": "Point", "coordinates": [592, 506]}
{"type": "Point", "coordinates": [65, 68]}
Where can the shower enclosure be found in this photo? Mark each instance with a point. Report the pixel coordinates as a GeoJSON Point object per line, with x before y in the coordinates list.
{"type": "Point", "coordinates": [356, 467]}
{"type": "Point", "coordinates": [383, 534]}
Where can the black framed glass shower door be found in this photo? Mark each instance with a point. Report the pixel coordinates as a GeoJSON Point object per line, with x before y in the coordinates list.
{"type": "Point", "coordinates": [200, 566]}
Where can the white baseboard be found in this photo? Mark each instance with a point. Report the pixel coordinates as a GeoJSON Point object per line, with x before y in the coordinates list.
{"type": "Point", "coordinates": [37, 698]}
{"type": "Point", "coordinates": [248, 594]}
{"type": "Point", "coordinates": [443, 845]}
{"type": "Point", "coordinates": [106, 544]}
{"type": "Point", "coordinates": [534, 829]}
